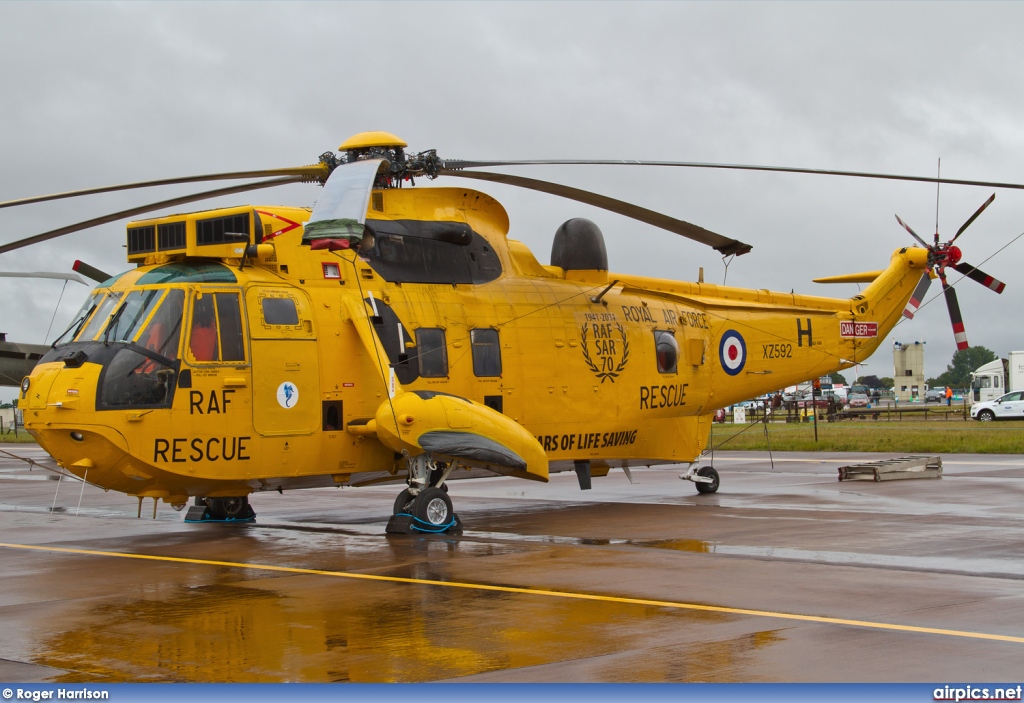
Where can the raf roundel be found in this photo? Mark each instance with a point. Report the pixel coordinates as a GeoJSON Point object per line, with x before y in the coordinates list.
{"type": "Point", "coordinates": [732, 352]}
{"type": "Point", "coordinates": [287, 395]}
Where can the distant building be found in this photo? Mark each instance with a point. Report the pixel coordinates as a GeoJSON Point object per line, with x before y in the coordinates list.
{"type": "Point", "coordinates": [908, 376]}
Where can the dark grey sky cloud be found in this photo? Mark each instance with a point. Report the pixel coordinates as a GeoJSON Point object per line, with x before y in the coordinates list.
{"type": "Point", "coordinates": [98, 93]}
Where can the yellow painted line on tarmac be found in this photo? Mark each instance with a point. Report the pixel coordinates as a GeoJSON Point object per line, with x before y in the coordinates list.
{"type": "Point", "coordinates": [531, 591]}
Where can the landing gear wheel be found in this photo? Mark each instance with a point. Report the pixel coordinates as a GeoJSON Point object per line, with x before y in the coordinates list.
{"type": "Point", "coordinates": [402, 502]}
{"type": "Point", "coordinates": [232, 508]}
{"type": "Point", "coordinates": [433, 506]}
{"type": "Point", "coordinates": [708, 472]}
{"type": "Point", "coordinates": [986, 416]}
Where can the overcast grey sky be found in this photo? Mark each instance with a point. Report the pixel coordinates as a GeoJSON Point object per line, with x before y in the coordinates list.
{"type": "Point", "coordinates": [99, 93]}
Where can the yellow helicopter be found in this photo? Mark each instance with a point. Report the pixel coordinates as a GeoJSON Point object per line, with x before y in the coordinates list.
{"type": "Point", "coordinates": [395, 334]}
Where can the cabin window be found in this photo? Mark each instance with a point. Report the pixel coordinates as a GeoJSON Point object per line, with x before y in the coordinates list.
{"type": "Point", "coordinates": [486, 352]}
{"type": "Point", "coordinates": [280, 311]}
{"type": "Point", "coordinates": [667, 351]}
{"type": "Point", "coordinates": [216, 333]}
{"type": "Point", "coordinates": [432, 352]}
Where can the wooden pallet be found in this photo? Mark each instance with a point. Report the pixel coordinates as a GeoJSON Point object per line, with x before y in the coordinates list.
{"type": "Point", "coordinates": [893, 469]}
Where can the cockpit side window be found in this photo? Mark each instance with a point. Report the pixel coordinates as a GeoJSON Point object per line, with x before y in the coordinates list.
{"type": "Point", "coordinates": [163, 332]}
{"type": "Point", "coordinates": [216, 332]}
{"type": "Point", "coordinates": [203, 338]}
{"type": "Point", "coordinates": [229, 320]}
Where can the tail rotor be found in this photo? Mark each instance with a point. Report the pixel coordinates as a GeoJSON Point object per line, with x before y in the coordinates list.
{"type": "Point", "coordinates": [943, 255]}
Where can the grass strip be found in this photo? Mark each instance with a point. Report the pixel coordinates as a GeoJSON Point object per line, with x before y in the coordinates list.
{"type": "Point", "coordinates": [907, 437]}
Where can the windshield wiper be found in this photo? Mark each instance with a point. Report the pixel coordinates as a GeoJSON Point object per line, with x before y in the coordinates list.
{"type": "Point", "coordinates": [113, 322]}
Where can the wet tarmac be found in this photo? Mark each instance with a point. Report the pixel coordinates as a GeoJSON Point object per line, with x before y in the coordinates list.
{"type": "Point", "coordinates": [785, 574]}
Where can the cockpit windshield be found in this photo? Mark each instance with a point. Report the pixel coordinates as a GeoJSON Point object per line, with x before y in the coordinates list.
{"type": "Point", "coordinates": [99, 318]}
{"type": "Point", "coordinates": [129, 318]}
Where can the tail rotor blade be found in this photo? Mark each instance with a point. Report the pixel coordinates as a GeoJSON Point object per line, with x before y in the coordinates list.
{"type": "Point", "coordinates": [915, 299]}
{"type": "Point", "coordinates": [912, 232]}
{"type": "Point", "coordinates": [976, 274]}
{"type": "Point", "coordinates": [954, 316]}
{"type": "Point", "coordinates": [973, 218]}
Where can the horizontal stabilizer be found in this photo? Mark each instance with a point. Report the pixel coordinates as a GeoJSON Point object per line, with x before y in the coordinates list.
{"type": "Point", "coordinates": [863, 277]}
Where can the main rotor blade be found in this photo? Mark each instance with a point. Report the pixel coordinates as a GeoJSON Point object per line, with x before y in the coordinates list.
{"type": "Point", "coordinates": [456, 164]}
{"type": "Point", "coordinates": [917, 296]}
{"type": "Point", "coordinates": [973, 217]}
{"type": "Point", "coordinates": [314, 172]}
{"type": "Point", "coordinates": [44, 274]}
{"type": "Point", "coordinates": [976, 274]}
{"type": "Point", "coordinates": [724, 245]}
{"type": "Point", "coordinates": [912, 232]}
{"type": "Point", "coordinates": [954, 316]}
{"type": "Point", "coordinates": [144, 209]}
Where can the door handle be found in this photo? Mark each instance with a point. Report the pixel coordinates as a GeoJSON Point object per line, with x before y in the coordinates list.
{"type": "Point", "coordinates": [235, 382]}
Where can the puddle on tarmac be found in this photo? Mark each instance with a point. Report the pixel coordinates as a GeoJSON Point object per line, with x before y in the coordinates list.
{"type": "Point", "coordinates": [309, 628]}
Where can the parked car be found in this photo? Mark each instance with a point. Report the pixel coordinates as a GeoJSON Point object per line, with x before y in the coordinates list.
{"type": "Point", "coordinates": [1007, 407]}
{"type": "Point", "coordinates": [857, 400]}
{"type": "Point", "coordinates": [935, 395]}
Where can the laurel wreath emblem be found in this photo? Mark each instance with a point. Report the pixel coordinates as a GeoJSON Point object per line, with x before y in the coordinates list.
{"type": "Point", "coordinates": [605, 375]}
